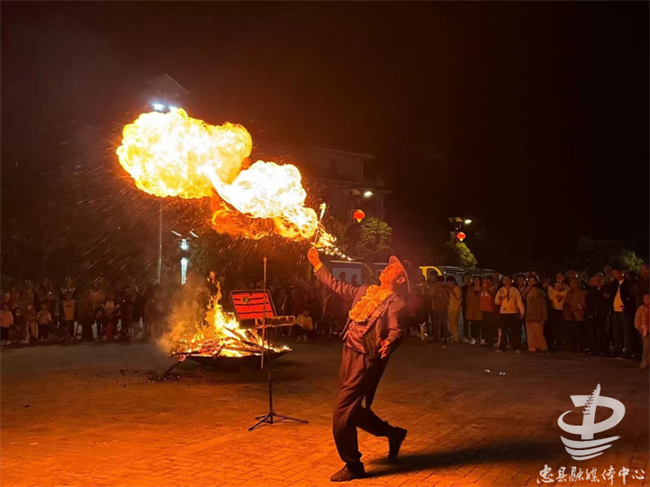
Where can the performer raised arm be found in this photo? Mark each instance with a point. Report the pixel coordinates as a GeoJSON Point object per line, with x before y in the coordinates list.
{"type": "Point", "coordinates": [374, 329]}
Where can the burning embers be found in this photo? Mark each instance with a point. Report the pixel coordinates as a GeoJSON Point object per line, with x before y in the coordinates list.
{"type": "Point", "coordinates": [221, 336]}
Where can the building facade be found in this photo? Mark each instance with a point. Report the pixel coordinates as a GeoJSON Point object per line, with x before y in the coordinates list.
{"type": "Point", "coordinates": [338, 178]}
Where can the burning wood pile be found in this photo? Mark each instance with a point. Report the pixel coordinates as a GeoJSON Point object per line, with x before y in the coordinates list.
{"type": "Point", "coordinates": [220, 335]}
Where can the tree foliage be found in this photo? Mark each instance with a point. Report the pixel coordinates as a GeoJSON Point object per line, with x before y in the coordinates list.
{"type": "Point", "coordinates": [464, 255]}
{"type": "Point", "coordinates": [592, 255]}
{"type": "Point", "coordinates": [369, 240]}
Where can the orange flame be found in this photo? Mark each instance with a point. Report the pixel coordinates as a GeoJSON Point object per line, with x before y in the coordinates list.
{"type": "Point", "coordinates": [221, 335]}
{"type": "Point", "coordinates": [172, 154]}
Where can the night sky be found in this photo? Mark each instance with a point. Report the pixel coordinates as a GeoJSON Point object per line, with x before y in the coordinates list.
{"type": "Point", "coordinates": [538, 112]}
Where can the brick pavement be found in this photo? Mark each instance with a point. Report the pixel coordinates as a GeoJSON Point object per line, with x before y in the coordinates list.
{"type": "Point", "coordinates": [71, 417]}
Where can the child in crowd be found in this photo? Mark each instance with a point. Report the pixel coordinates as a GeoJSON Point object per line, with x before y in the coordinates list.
{"type": "Point", "coordinates": [305, 325]}
{"type": "Point", "coordinates": [6, 322]}
{"type": "Point", "coordinates": [20, 326]}
{"type": "Point", "coordinates": [32, 322]}
{"type": "Point", "coordinates": [44, 320]}
{"type": "Point", "coordinates": [110, 310]}
{"type": "Point", "coordinates": [69, 306]}
{"type": "Point", "coordinates": [128, 316]}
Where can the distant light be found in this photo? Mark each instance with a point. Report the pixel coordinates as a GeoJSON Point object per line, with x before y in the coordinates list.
{"type": "Point", "coordinates": [184, 262]}
{"type": "Point", "coordinates": [185, 244]}
{"type": "Point", "coordinates": [171, 107]}
{"type": "Point", "coordinates": [159, 107]}
{"type": "Point", "coordinates": [468, 221]}
{"type": "Point", "coordinates": [367, 194]}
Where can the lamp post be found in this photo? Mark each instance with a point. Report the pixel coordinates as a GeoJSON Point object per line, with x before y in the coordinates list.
{"type": "Point", "coordinates": [184, 246]}
{"type": "Point", "coordinates": [164, 87]}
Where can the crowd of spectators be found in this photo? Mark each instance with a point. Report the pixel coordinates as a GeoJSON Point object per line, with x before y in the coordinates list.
{"type": "Point", "coordinates": [67, 313]}
{"type": "Point", "coordinates": [605, 314]}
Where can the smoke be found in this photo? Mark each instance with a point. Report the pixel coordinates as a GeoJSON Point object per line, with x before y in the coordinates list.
{"type": "Point", "coordinates": [187, 315]}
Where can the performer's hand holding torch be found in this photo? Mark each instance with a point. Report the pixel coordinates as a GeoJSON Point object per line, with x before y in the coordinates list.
{"type": "Point", "coordinates": [313, 257]}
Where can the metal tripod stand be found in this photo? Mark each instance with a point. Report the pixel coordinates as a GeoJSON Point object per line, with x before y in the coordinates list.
{"type": "Point", "coordinates": [271, 417]}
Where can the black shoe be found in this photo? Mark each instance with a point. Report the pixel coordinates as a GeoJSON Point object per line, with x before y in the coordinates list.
{"type": "Point", "coordinates": [351, 471]}
{"type": "Point", "coordinates": [395, 442]}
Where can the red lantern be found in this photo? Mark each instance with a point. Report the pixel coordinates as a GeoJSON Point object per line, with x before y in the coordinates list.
{"type": "Point", "coordinates": [460, 236]}
{"type": "Point", "coordinates": [359, 215]}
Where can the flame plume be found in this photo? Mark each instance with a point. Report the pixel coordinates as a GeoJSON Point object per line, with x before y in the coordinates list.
{"type": "Point", "coordinates": [172, 154]}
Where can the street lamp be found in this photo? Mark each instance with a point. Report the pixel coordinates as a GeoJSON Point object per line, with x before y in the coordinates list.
{"type": "Point", "coordinates": [162, 108]}
{"type": "Point", "coordinates": [467, 221]}
{"type": "Point", "coordinates": [184, 262]}
{"type": "Point", "coordinates": [184, 245]}
{"type": "Point", "coordinates": [367, 194]}
{"type": "Point", "coordinates": [164, 87]}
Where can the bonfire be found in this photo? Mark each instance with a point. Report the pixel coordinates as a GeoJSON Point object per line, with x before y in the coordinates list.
{"type": "Point", "coordinates": [220, 335]}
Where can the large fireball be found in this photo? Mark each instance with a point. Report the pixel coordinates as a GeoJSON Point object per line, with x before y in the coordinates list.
{"type": "Point", "coordinates": [172, 154]}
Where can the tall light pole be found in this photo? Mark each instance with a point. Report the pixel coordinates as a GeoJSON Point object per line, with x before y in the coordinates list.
{"type": "Point", "coordinates": [160, 232]}
{"type": "Point", "coordinates": [184, 245]}
{"type": "Point", "coordinates": [162, 88]}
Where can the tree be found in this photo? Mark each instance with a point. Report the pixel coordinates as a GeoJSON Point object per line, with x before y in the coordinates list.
{"type": "Point", "coordinates": [628, 259]}
{"type": "Point", "coordinates": [465, 256]}
{"type": "Point", "coordinates": [369, 240]}
{"type": "Point", "coordinates": [592, 255]}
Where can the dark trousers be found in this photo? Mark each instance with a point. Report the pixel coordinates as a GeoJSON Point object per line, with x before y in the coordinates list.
{"type": "Point", "coordinates": [439, 324]}
{"type": "Point", "coordinates": [4, 333]}
{"type": "Point", "coordinates": [359, 379]}
{"type": "Point", "coordinates": [474, 329]}
{"type": "Point", "coordinates": [580, 336]}
{"type": "Point", "coordinates": [86, 330]}
{"type": "Point", "coordinates": [489, 327]}
{"type": "Point", "coordinates": [43, 331]}
{"type": "Point", "coordinates": [598, 336]}
{"type": "Point", "coordinates": [571, 335]}
{"type": "Point", "coordinates": [622, 334]}
{"type": "Point", "coordinates": [510, 331]}
{"type": "Point", "coordinates": [556, 329]}
{"type": "Point", "coordinates": [466, 324]}
{"type": "Point", "coordinates": [67, 328]}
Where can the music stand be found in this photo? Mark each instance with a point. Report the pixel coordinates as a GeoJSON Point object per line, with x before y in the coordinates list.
{"type": "Point", "coordinates": [271, 417]}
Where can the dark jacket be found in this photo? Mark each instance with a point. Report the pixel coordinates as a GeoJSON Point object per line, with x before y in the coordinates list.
{"type": "Point", "coordinates": [598, 302]}
{"type": "Point", "coordinates": [536, 309]}
{"type": "Point", "coordinates": [640, 287]}
{"type": "Point", "coordinates": [387, 322]}
{"type": "Point", "coordinates": [626, 296]}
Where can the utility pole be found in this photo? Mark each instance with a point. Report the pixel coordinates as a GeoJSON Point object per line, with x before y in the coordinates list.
{"type": "Point", "coordinates": [162, 86]}
{"type": "Point", "coordinates": [160, 232]}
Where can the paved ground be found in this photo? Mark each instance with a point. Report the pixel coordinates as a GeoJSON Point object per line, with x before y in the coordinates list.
{"type": "Point", "coordinates": [88, 415]}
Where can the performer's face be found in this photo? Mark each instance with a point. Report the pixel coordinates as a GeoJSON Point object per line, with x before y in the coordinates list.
{"type": "Point", "coordinates": [393, 275]}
